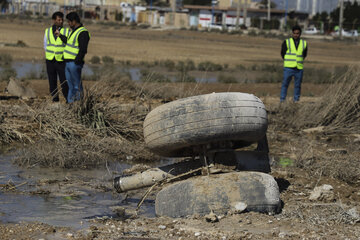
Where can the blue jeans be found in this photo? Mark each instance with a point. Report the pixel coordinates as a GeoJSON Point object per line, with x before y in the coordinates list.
{"type": "Point", "coordinates": [73, 77]}
{"type": "Point", "coordinates": [288, 74]}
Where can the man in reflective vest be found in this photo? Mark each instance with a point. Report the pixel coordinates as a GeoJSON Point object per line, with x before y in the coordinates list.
{"type": "Point", "coordinates": [54, 50]}
{"type": "Point", "coordinates": [74, 53]}
{"type": "Point", "coordinates": [293, 51]}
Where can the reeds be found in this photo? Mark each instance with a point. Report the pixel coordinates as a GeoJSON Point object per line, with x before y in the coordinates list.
{"type": "Point", "coordinates": [339, 108]}
{"type": "Point", "coordinates": [106, 124]}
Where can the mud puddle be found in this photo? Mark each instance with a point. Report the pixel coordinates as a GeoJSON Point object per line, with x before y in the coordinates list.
{"type": "Point", "coordinates": [62, 197]}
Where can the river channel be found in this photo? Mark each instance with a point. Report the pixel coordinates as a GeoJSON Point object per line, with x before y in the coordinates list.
{"type": "Point", "coordinates": [38, 70]}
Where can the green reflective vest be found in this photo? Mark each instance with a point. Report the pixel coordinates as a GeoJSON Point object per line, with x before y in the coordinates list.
{"type": "Point", "coordinates": [55, 48]}
{"type": "Point", "coordinates": [294, 58]}
{"type": "Point", "coordinates": [72, 46]}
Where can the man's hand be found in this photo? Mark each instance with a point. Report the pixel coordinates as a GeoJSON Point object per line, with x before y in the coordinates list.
{"type": "Point", "coordinates": [57, 32]}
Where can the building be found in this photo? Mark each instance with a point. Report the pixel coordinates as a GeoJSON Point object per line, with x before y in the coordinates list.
{"type": "Point", "coordinates": [212, 16]}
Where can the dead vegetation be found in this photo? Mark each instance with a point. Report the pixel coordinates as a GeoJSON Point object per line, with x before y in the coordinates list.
{"type": "Point", "coordinates": [338, 110]}
{"type": "Point", "coordinates": [105, 125]}
{"type": "Point", "coordinates": [337, 115]}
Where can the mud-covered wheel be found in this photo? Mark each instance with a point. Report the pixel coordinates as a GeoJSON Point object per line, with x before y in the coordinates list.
{"type": "Point", "coordinates": [175, 129]}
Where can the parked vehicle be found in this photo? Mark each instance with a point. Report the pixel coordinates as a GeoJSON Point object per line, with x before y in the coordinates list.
{"type": "Point", "coordinates": [354, 33]}
{"type": "Point", "coordinates": [351, 33]}
{"type": "Point", "coordinates": [311, 30]}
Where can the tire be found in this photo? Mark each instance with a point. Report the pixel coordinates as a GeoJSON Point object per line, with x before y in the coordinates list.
{"type": "Point", "coordinates": [219, 193]}
{"type": "Point", "coordinates": [176, 129]}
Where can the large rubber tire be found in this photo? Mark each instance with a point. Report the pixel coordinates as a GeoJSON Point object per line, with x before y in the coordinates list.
{"type": "Point", "coordinates": [175, 129]}
{"type": "Point", "coordinates": [219, 193]}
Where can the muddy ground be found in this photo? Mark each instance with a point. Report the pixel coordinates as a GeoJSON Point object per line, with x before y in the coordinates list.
{"type": "Point", "coordinates": [300, 160]}
{"type": "Point", "coordinates": [336, 217]}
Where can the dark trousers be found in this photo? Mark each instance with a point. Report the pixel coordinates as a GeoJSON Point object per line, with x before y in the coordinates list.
{"type": "Point", "coordinates": [54, 69]}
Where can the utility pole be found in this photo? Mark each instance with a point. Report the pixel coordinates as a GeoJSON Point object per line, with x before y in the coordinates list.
{"type": "Point", "coordinates": [82, 9]}
{"type": "Point", "coordinates": [268, 12]}
{"type": "Point", "coordinates": [237, 24]}
{"type": "Point", "coordinates": [314, 7]}
{"type": "Point", "coordinates": [40, 8]}
{"type": "Point", "coordinates": [173, 9]}
{"type": "Point", "coordinates": [213, 2]}
{"type": "Point", "coordinates": [286, 10]}
{"type": "Point", "coordinates": [341, 18]}
{"type": "Point", "coordinates": [245, 6]}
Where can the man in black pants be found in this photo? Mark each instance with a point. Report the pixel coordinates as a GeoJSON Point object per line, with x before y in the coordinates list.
{"type": "Point", "coordinates": [54, 53]}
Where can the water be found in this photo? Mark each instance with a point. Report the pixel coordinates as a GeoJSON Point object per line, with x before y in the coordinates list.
{"type": "Point", "coordinates": [71, 202]}
{"type": "Point", "coordinates": [38, 70]}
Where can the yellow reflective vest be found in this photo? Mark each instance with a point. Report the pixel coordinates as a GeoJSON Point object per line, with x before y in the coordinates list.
{"type": "Point", "coordinates": [294, 57]}
{"type": "Point", "coordinates": [55, 48]}
{"type": "Point", "coordinates": [72, 46]}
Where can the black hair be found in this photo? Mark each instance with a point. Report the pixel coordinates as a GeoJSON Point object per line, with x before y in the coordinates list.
{"type": "Point", "coordinates": [296, 27]}
{"type": "Point", "coordinates": [57, 14]}
{"type": "Point", "coordinates": [73, 16]}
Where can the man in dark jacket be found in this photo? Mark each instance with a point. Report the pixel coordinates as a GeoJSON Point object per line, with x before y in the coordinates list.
{"type": "Point", "coordinates": [74, 53]}
{"type": "Point", "coordinates": [294, 52]}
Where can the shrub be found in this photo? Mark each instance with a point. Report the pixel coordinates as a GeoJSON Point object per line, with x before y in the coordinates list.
{"type": "Point", "coordinates": [271, 67]}
{"type": "Point", "coordinates": [169, 64]}
{"type": "Point", "coordinates": [6, 73]}
{"type": "Point", "coordinates": [209, 66]}
{"type": "Point", "coordinates": [95, 60]}
{"type": "Point", "coordinates": [222, 78]}
{"type": "Point", "coordinates": [184, 77]}
{"type": "Point", "coordinates": [235, 32]}
{"type": "Point", "coordinates": [5, 59]}
{"type": "Point", "coordinates": [107, 60]}
{"type": "Point", "coordinates": [240, 67]}
{"type": "Point", "coordinates": [186, 66]}
{"type": "Point", "coordinates": [147, 76]}
{"type": "Point", "coordinates": [252, 33]}
{"type": "Point", "coordinates": [21, 43]}
{"type": "Point", "coordinates": [269, 78]}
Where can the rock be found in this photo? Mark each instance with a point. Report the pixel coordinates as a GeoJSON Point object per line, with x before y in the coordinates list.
{"type": "Point", "coordinates": [162, 227]}
{"type": "Point", "coordinates": [211, 217]}
{"type": "Point", "coordinates": [240, 207]}
{"type": "Point", "coordinates": [322, 193]}
{"type": "Point", "coordinates": [17, 88]}
{"type": "Point", "coordinates": [218, 193]}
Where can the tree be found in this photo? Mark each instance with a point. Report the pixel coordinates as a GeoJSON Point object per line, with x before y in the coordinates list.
{"type": "Point", "coordinates": [351, 15]}
{"type": "Point", "coordinates": [197, 2]}
{"type": "Point", "coordinates": [321, 17]}
{"type": "Point", "coordinates": [3, 4]}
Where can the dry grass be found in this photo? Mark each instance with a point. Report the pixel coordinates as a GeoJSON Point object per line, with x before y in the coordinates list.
{"type": "Point", "coordinates": [105, 124]}
{"type": "Point", "coordinates": [321, 214]}
{"type": "Point", "coordinates": [337, 165]}
{"type": "Point", "coordinates": [338, 110]}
